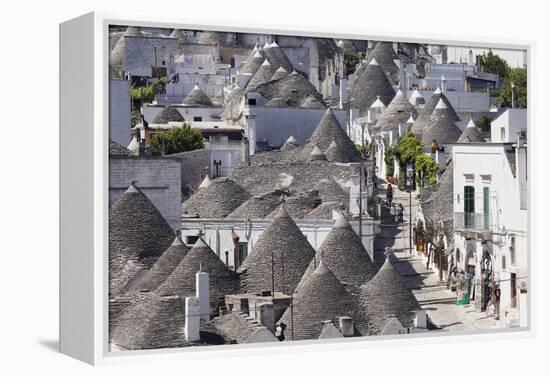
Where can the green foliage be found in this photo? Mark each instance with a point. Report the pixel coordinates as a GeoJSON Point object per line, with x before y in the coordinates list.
{"type": "Point", "coordinates": [517, 76]}
{"type": "Point", "coordinates": [147, 91]}
{"type": "Point", "coordinates": [426, 170]}
{"type": "Point", "coordinates": [351, 59]}
{"type": "Point", "coordinates": [389, 158]}
{"type": "Point", "coordinates": [492, 63]}
{"type": "Point", "coordinates": [135, 117]}
{"type": "Point", "coordinates": [484, 125]}
{"type": "Point", "coordinates": [175, 140]}
{"type": "Point", "coordinates": [136, 93]}
{"type": "Point", "coordinates": [409, 147]}
{"type": "Point", "coordinates": [365, 150]}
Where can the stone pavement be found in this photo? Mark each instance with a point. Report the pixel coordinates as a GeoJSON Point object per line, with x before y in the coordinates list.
{"type": "Point", "coordinates": [433, 296]}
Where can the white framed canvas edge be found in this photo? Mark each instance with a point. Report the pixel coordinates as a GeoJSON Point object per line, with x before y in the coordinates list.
{"type": "Point", "coordinates": [84, 180]}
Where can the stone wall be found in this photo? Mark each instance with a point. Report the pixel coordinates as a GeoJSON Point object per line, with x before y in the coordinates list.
{"type": "Point", "coordinates": [158, 178]}
{"type": "Point", "coordinates": [139, 54]}
{"type": "Point", "coordinates": [193, 165]}
{"type": "Point", "coordinates": [119, 111]}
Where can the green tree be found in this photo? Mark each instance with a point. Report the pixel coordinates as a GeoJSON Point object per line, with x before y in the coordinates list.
{"type": "Point", "coordinates": [175, 140]}
{"type": "Point", "coordinates": [389, 158]}
{"type": "Point", "coordinates": [492, 63]}
{"type": "Point", "coordinates": [484, 125]}
{"type": "Point", "coordinates": [409, 147]}
{"type": "Point", "coordinates": [351, 59]}
{"type": "Point", "coordinates": [426, 170]}
{"type": "Point", "coordinates": [517, 77]}
{"type": "Point", "coordinates": [147, 93]}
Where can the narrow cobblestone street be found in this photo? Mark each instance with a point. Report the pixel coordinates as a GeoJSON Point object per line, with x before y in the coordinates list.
{"type": "Point", "coordinates": [433, 295]}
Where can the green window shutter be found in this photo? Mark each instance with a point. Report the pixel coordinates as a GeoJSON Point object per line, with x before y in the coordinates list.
{"type": "Point", "coordinates": [486, 208]}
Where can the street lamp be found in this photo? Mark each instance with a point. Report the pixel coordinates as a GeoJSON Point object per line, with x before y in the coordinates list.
{"type": "Point", "coordinates": [410, 185]}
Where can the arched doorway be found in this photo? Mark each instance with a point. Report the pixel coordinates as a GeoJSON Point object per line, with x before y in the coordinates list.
{"type": "Point", "coordinates": [486, 278]}
{"type": "Point", "coordinates": [470, 269]}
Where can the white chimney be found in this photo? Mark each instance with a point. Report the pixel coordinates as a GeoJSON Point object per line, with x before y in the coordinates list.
{"type": "Point", "coordinates": [346, 326]}
{"type": "Point", "coordinates": [192, 319]}
{"type": "Point", "coordinates": [267, 315]}
{"type": "Point", "coordinates": [203, 294]}
{"type": "Point", "coordinates": [421, 320]}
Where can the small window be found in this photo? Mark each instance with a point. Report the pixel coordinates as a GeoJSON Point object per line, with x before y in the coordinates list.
{"type": "Point", "coordinates": [197, 119]}
{"type": "Point", "coordinates": [252, 101]}
{"type": "Point", "coordinates": [243, 252]}
{"type": "Point", "coordinates": [191, 240]}
{"type": "Point", "coordinates": [164, 62]}
{"type": "Point", "coordinates": [513, 250]}
{"type": "Point", "coordinates": [503, 262]}
{"type": "Point", "coordinates": [502, 134]}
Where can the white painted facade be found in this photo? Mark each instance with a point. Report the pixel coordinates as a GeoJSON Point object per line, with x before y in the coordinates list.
{"type": "Point", "coordinates": [190, 114]}
{"type": "Point", "coordinates": [120, 111]}
{"type": "Point", "coordinates": [217, 233]}
{"type": "Point", "coordinates": [496, 232]}
{"type": "Point", "coordinates": [275, 125]}
{"type": "Point", "coordinates": [505, 127]}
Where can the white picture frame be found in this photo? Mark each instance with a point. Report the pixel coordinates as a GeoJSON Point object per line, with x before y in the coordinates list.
{"type": "Point", "coordinates": [84, 188]}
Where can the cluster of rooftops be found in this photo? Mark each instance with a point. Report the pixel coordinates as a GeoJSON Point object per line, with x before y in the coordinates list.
{"type": "Point", "coordinates": [152, 272]}
{"type": "Point", "coordinates": [311, 179]}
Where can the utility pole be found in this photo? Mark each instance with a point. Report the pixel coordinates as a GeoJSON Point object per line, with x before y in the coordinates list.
{"type": "Point", "coordinates": [410, 176]}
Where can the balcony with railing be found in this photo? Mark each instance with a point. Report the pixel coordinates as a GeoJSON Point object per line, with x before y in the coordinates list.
{"type": "Point", "coordinates": [479, 222]}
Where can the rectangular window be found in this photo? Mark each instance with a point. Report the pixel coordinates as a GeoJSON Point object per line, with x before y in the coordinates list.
{"type": "Point", "coordinates": [190, 240]}
{"type": "Point", "coordinates": [504, 262]}
{"type": "Point", "coordinates": [469, 206]}
{"type": "Point", "coordinates": [252, 101]}
{"type": "Point", "coordinates": [486, 208]}
{"type": "Point", "coordinates": [513, 250]}
{"type": "Point", "coordinates": [197, 119]}
{"type": "Point", "coordinates": [502, 134]}
{"type": "Point", "coordinates": [243, 252]}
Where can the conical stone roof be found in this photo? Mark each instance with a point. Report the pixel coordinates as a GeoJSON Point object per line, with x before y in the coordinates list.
{"type": "Point", "coordinates": [283, 241]}
{"type": "Point", "coordinates": [221, 197]}
{"type": "Point", "coordinates": [372, 82]}
{"type": "Point", "coordinates": [344, 254]}
{"type": "Point", "coordinates": [329, 131]}
{"type": "Point", "coordinates": [252, 64]}
{"type": "Point", "coordinates": [290, 143]}
{"type": "Point", "coordinates": [425, 114]}
{"type": "Point", "coordinates": [276, 56]}
{"type": "Point", "coordinates": [138, 235]}
{"type": "Point", "coordinates": [292, 89]}
{"type": "Point", "coordinates": [311, 102]}
{"type": "Point", "coordinates": [279, 74]}
{"type": "Point", "coordinates": [384, 54]}
{"type": "Point", "coordinates": [398, 112]}
{"type": "Point", "coordinates": [442, 127]}
{"type": "Point", "coordinates": [386, 295]}
{"type": "Point", "coordinates": [164, 266]}
{"type": "Point", "coordinates": [471, 134]}
{"type": "Point", "coordinates": [200, 258]}
{"type": "Point", "coordinates": [321, 298]}
{"type": "Point", "coordinates": [197, 97]}
{"type": "Point", "coordinates": [257, 207]}
{"type": "Point", "coordinates": [168, 114]}
{"type": "Point", "coordinates": [317, 154]}
{"type": "Point", "coordinates": [262, 75]}
{"type": "Point", "coordinates": [151, 322]}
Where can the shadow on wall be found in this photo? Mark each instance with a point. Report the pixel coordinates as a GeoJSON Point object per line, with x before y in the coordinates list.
{"type": "Point", "coordinates": [52, 345]}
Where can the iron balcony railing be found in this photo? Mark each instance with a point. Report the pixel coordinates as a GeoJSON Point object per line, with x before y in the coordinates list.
{"type": "Point", "coordinates": [473, 221]}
